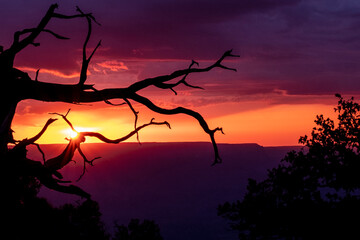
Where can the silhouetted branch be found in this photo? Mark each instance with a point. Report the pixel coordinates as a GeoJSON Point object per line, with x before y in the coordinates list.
{"type": "Point", "coordinates": [136, 116]}
{"type": "Point", "coordinates": [181, 110]}
{"type": "Point", "coordinates": [71, 93]}
{"type": "Point", "coordinates": [107, 101]}
{"type": "Point", "coordinates": [41, 151]}
{"type": "Point", "coordinates": [66, 93]}
{"type": "Point", "coordinates": [158, 81]}
{"type": "Point", "coordinates": [66, 156]}
{"type": "Point", "coordinates": [119, 140]}
{"type": "Point", "coordinates": [85, 162]}
{"type": "Point", "coordinates": [66, 120]}
{"type": "Point", "coordinates": [171, 86]}
{"type": "Point", "coordinates": [22, 87]}
{"type": "Point", "coordinates": [20, 145]}
{"type": "Point", "coordinates": [226, 54]}
{"type": "Point", "coordinates": [62, 16]}
{"type": "Point", "coordinates": [18, 45]}
{"type": "Point", "coordinates": [85, 60]}
{"type": "Point", "coordinates": [37, 75]}
{"type": "Point", "coordinates": [8, 55]}
{"type": "Point", "coordinates": [30, 30]}
{"type": "Point", "coordinates": [32, 140]}
{"type": "Point", "coordinates": [71, 189]}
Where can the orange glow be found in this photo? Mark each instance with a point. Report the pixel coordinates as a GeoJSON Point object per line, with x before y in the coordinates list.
{"type": "Point", "coordinates": [280, 125]}
{"type": "Point", "coordinates": [72, 134]}
{"type": "Point", "coordinates": [277, 125]}
{"type": "Point", "coordinates": [52, 72]}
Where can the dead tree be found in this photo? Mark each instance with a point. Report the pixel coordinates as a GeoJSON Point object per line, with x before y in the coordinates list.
{"type": "Point", "coordinates": [16, 86]}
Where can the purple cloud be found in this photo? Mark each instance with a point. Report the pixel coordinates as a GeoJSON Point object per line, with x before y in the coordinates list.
{"type": "Point", "coordinates": [300, 47]}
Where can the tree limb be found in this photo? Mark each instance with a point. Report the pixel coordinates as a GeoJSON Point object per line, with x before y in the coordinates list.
{"type": "Point", "coordinates": [85, 60]}
{"type": "Point", "coordinates": [66, 156]}
{"type": "Point", "coordinates": [181, 110]}
{"type": "Point", "coordinates": [161, 79]}
{"type": "Point", "coordinates": [118, 140]}
{"type": "Point", "coordinates": [32, 140]}
{"type": "Point", "coordinates": [85, 161]}
{"type": "Point", "coordinates": [136, 116]}
{"type": "Point", "coordinates": [7, 56]}
{"type": "Point", "coordinates": [18, 45]}
{"type": "Point", "coordinates": [171, 86]}
{"type": "Point", "coordinates": [66, 120]}
{"type": "Point", "coordinates": [71, 93]}
{"type": "Point", "coordinates": [30, 30]}
{"type": "Point", "coordinates": [78, 93]}
{"type": "Point", "coordinates": [19, 86]}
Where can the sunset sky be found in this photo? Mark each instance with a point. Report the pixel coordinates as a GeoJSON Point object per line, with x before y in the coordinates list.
{"type": "Point", "coordinates": [295, 55]}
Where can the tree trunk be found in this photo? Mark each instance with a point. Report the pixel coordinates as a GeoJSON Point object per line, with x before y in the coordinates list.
{"type": "Point", "coordinates": [7, 112]}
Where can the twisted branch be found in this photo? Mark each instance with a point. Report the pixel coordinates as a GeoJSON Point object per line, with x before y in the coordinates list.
{"type": "Point", "coordinates": [74, 144]}
{"type": "Point", "coordinates": [85, 93]}
{"type": "Point", "coordinates": [119, 140]}
{"type": "Point", "coordinates": [26, 141]}
{"type": "Point", "coordinates": [171, 86]}
{"type": "Point", "coordinates": [66, 93]}
{"type": "Point", "coordinates": [158, 81]}
{"type": "Point", "coordinates": [181, 110]}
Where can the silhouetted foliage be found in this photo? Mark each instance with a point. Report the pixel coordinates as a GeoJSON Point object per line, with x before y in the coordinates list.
{"type": "Point", "coordinates": [311, 194]}
{"type": "Point", "coordinates": [26, 216]}
{"type": "Point", "coordinates": [136, 230]}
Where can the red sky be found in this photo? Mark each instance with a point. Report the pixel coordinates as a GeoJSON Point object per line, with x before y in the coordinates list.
{"type": "Point", "coordinates": [295, 55]}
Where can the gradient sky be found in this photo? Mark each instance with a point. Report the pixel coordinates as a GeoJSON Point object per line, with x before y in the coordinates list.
{"type": "Point", "coordinates": [295, 55]}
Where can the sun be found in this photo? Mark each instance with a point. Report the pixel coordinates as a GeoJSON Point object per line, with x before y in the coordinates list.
{"type": "Point", "coordinates": [73, 134]}
{"type": "Point", "coordinates": [70, 134]}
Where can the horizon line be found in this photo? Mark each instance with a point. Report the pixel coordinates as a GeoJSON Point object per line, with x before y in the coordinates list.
{"type": "Point", "coordinates": [134, 142]}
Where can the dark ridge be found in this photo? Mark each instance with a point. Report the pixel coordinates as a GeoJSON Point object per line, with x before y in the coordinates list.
{"type": "Point", "coordinates": [171, 183]}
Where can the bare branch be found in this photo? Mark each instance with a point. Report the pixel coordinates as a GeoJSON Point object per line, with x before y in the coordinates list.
{"type": "Point", "coordinates": [30, 30]}
{"type": "Point", "coordinates": [35, 44]}
{"type": "Point", "coordinates": [92, 54]}
{"type": "Point", "coordinates": [85, 162]}
{"type": "Point", "coordinates": [67, 112]}
{"type": "Point", "coordinates": [74, 94]}
{"type": "Point", "coordinates": [71, 189]}
{"type": "Point", "coordinates": [89, 15]}
{"type": "Point", "coordinates": [56, 35]}
{"type": "Point", "coordinates": [181, 110]}
{"type": "Point", "coordinates": [105, 100]}
{"type": "Point", "coordinates": [171, 86]}
{"type": "Point", "coordinates": [37, 75]}
{"type": "Point", "coordinates": [85, 60]}
{"type": "Point", "coordinates": [66, 156]}
{"type": "Point", "coordinates": [18, 45]}
{"type": "Point", "coordinates": [118, 140]}
{"type": "Point", "coordinates": [136, 117]}
{"type": "Point", "coordinates": [62, 16]}
{"type": "Point", "coordinates": [158, 81]}
{"type": "Point", "coordinates": [67, 92]}
{"type": "Point", "coordinates": [32, 140]}
{"type": "Point", "coordinates": [79, 93]}
{"type": "Point", "coordinates": [66, 120]}
{"type": "Point", "coordinates": [41, 151]}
